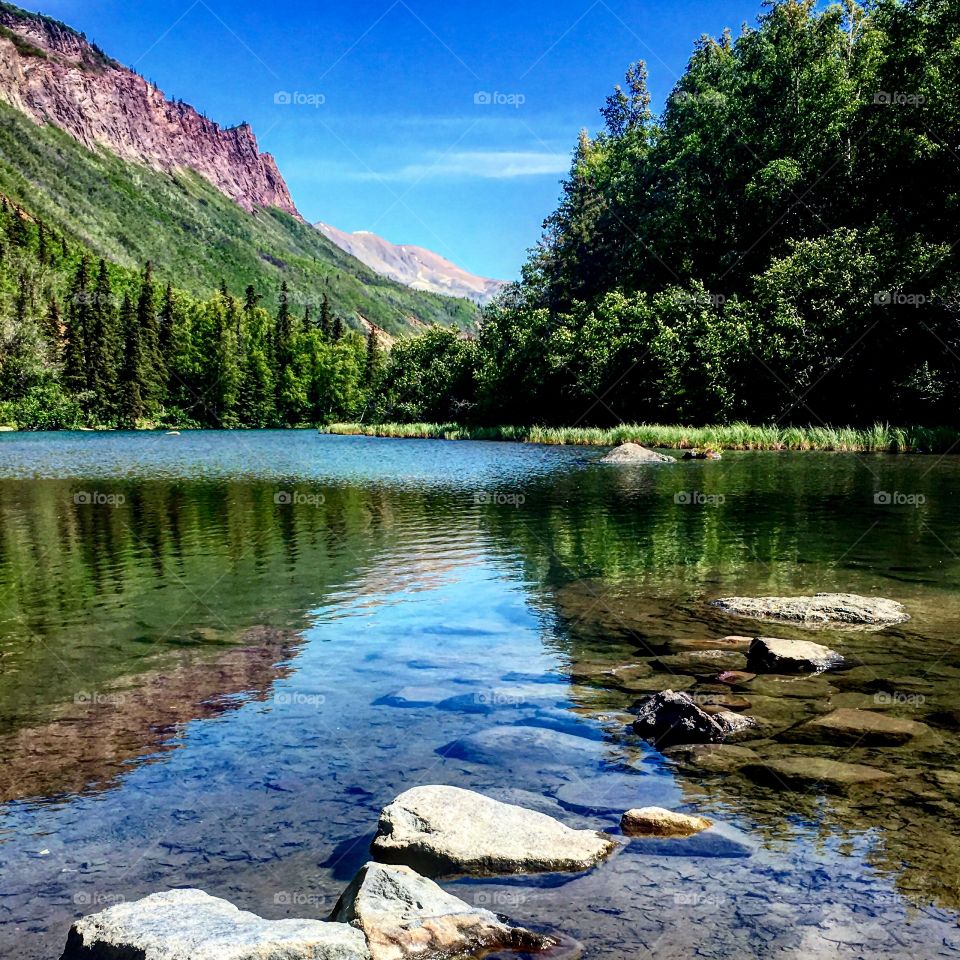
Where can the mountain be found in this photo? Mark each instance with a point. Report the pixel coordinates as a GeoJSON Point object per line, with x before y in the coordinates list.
{"type": "Point", "coordinates": [415, 267]}
{"type": "Point", "coordinates": [93, 148]}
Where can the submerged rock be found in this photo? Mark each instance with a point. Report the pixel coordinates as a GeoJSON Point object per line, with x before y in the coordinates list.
{"type": "Point", "coordinates": [820, 610]}
{"type": "Point", "coordinates": [657, 822]}
{"type": "Point", "coordinates": [770, 655]}
{"type": "Point", "coordinates": [442, 830]}
{"type": "Point", "coordinates": [864, 728]}
{"type": "Point", "coordinates": [711, 757]}
{"type": "Point", "coordinates": [702, 662]}
{"type": "Point", "coordinates": [669, 718]}
{"type": "Point", "coordinates": [802, 773]}
{"type": "Point", "coordinates": [635, 453]}
{"type": "Point", "coordinates": [403, 915]}
{"type": "Point", "coordinates": [741, 644]}
{"type": "Point", "coordinates": [192, 925]}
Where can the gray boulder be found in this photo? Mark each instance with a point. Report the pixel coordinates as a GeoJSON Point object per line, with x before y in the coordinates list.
{"type": "Point", "coordinates": [405, 915]}
{"type": "Point", "coordinates": [861, 728]}
{"type": "Point", "coordinates": [192, 925]}
{"type": "Point", "coordinates": [635, 453]}
{"type": "Point", "coordinates": [770, 655]}
{"type": "Point", "coordinates": [820, 610]}
{"type": "Point", "coordinates": [441, 830]}
{"type": "Point", "coordinates": [670, 718]}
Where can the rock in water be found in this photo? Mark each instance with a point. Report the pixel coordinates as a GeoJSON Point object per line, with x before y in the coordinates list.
{"type": "Point", "coordinates": [635, 453]}
{"type": "Point", "coordinates": [657, 822]}
{"type": "Point", "coordinates": [806, 773]}
{"type": "Point", "coordinates": [862, 728]}
{"type": "Point", "coordinates": [820, 610]}
{"type": "Point", "coordinates": [672, 718]}
{"type": "Point", "coordinates": [770, 655]}
{"type": "Point", "coordinates": [445, 830]}
{"type": "Point", "coordinates": [405, 915]}
{"type": "Point", "coordinates": [192, 925]}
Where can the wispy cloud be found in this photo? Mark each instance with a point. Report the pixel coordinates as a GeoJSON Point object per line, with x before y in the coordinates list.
{"type": "Point", "coordinates": [476, 165]}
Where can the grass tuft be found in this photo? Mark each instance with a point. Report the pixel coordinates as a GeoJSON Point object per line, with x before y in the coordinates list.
{"type": "Point", "coordinates": [880, 438]}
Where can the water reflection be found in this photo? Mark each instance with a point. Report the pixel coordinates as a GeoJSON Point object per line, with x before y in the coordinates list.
{"type": "Point", "coordinates": [415, 631]}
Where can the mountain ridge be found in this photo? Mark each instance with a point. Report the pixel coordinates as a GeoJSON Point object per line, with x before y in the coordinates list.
{"type": "Point", "coordinates": [413, 266]}
{"type": "Point", "coordinates": [53, 74]}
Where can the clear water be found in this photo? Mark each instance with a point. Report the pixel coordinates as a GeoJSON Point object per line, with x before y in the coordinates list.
{"type": "Point", "coordinates": [221, 654]}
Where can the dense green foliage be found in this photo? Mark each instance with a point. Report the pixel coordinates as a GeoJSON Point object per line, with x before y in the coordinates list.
{"type": "Point", "coordinates": [777, 246]}
{"type": "Point", "coordinates": [196, 236]}
{"type": "Point", "coordinates": [87, 342]}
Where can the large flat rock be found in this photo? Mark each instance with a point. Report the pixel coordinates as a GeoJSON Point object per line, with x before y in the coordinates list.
{"type": "Point", "coordinates": [820, 610]}
{"type": "Point", "coordinates": [805, 773]}
{"type": "Point", "coordinates": [864, 728]}
{"type": "Point", "coordinates": [192, 925]}
{"type": "Point", "coordinates": [772, 655]}
{"type": "Point", "coordinates": [403, 915]}
{"type": "Point", "coordinates": [524, 746]}
{"type": "Point", "coordinates": [443, 831]}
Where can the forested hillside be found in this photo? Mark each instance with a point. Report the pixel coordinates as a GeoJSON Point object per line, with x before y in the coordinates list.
{"type": "Point", "coordinates": [778, 245]}
{"type": "Point", "coordinates": [87, 342]}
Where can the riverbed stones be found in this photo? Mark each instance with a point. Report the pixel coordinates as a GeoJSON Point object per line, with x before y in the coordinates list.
{"type": "Point", "coordinates": [741, 644]}
{"type": "Point", "coordinates": [657, 822]}
{"type": "Point", "coordinates": [772, 655]}
{"type": "Point", "coordinates": [192, 925]}
{"type": "Point", "coordinates": [670, 717]}
{"type": "Point", "coordinates": [635, 453]}
{"type": "Point", "coordinates": [701, 663]}
{"type": "Point", "coordinates": [820, 610]}
{"type": "Point", "coordinates": [850, 727]}
{"type": "Point", "coordinates": [404, 915]}
{"type": "Point", "coordinates": [440, 830]}
{"type": "Point", "coordinates": [802, 772]}
{"type": "Point", "coordinates": [711, 757]}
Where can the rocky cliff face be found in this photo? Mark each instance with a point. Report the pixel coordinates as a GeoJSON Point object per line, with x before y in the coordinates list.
{"type": "Point", "coordinates": [414, 267]}
{"type": "Point", "coordinates": [54, 75]}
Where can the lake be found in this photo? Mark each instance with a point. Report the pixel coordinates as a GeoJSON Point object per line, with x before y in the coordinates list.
{"type": "Point", "coordinates": [221, 654]}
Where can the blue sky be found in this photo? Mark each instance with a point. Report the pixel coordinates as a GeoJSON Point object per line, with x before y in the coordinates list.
{"type": "Point", "coordinates": [384, 130]}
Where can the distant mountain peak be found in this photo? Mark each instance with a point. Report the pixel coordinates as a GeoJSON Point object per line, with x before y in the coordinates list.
{"type": "Point", "coordinates": [415, 267]}
{"type": "Point", "coordinates": [55, 75]}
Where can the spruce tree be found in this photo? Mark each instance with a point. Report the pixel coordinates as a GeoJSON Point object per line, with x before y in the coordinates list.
{"type": "Point", "coordinates": [326, 318]}
{"type": "Point", "coordinates": [167, 322]}
{"type": "Point", "coordinates": [133, 379]}
{"type": "Point", "coordinates": [77, 330]}
{"type": "Point", "coordinates": [53, 329]}
{"type": "Point", "coordinates": [154, 370]}
{"type": "Point", "coordinates": [372, 366]}
{"type": "Point", "coordinates": [106, 345]}
{"type": "Point", "coordinates": [338, 329]}
{"type": "Point", "coordinates": [42, 250]}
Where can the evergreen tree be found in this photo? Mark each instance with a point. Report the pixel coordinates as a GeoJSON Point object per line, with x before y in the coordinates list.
{"type": "Point", "coordinates": [42, 250]}
{"type": "Point", "coordinates": [168, 314]}
{"type": "Point", "coordinates": [134, 372]}
{"type": "Point", "coordinates": [373, 364]}
{"type": "Point", "coordinates": [154, 370]}
{"type": "Point", "coordinates": [78, 330]}
{"type": "Point", "coordinates": [338, 329]}
{"type": "Point", "coordinates": [106, 345]}
{"type": "Point", "coordinates": [326, 319]}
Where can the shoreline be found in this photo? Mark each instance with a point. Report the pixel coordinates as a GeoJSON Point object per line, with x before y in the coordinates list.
{"type": "Point", "coordinates": [739, 436]}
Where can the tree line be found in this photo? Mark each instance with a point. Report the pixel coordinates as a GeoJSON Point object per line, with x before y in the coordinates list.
{"type": "Point", "coordinates": [87, 342]}
{"type": "Point", "coordinates": [778, 245]}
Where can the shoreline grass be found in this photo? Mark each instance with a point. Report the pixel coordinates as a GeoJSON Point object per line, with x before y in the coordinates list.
{"type": "Point", "coordinates": [880, 438]}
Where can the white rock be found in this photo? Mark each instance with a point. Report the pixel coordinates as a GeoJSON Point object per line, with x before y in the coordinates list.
{"type": "Point", "coordinates": [405, 915]}
{"type": "Point", "coordinates": [192, 925]}
{"type": "Point", "coordinates": [635, 453]}
{"type": "Point", "coordinates": [445, 830]}
{"type": "Point", "coordinates": [820, 610]}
